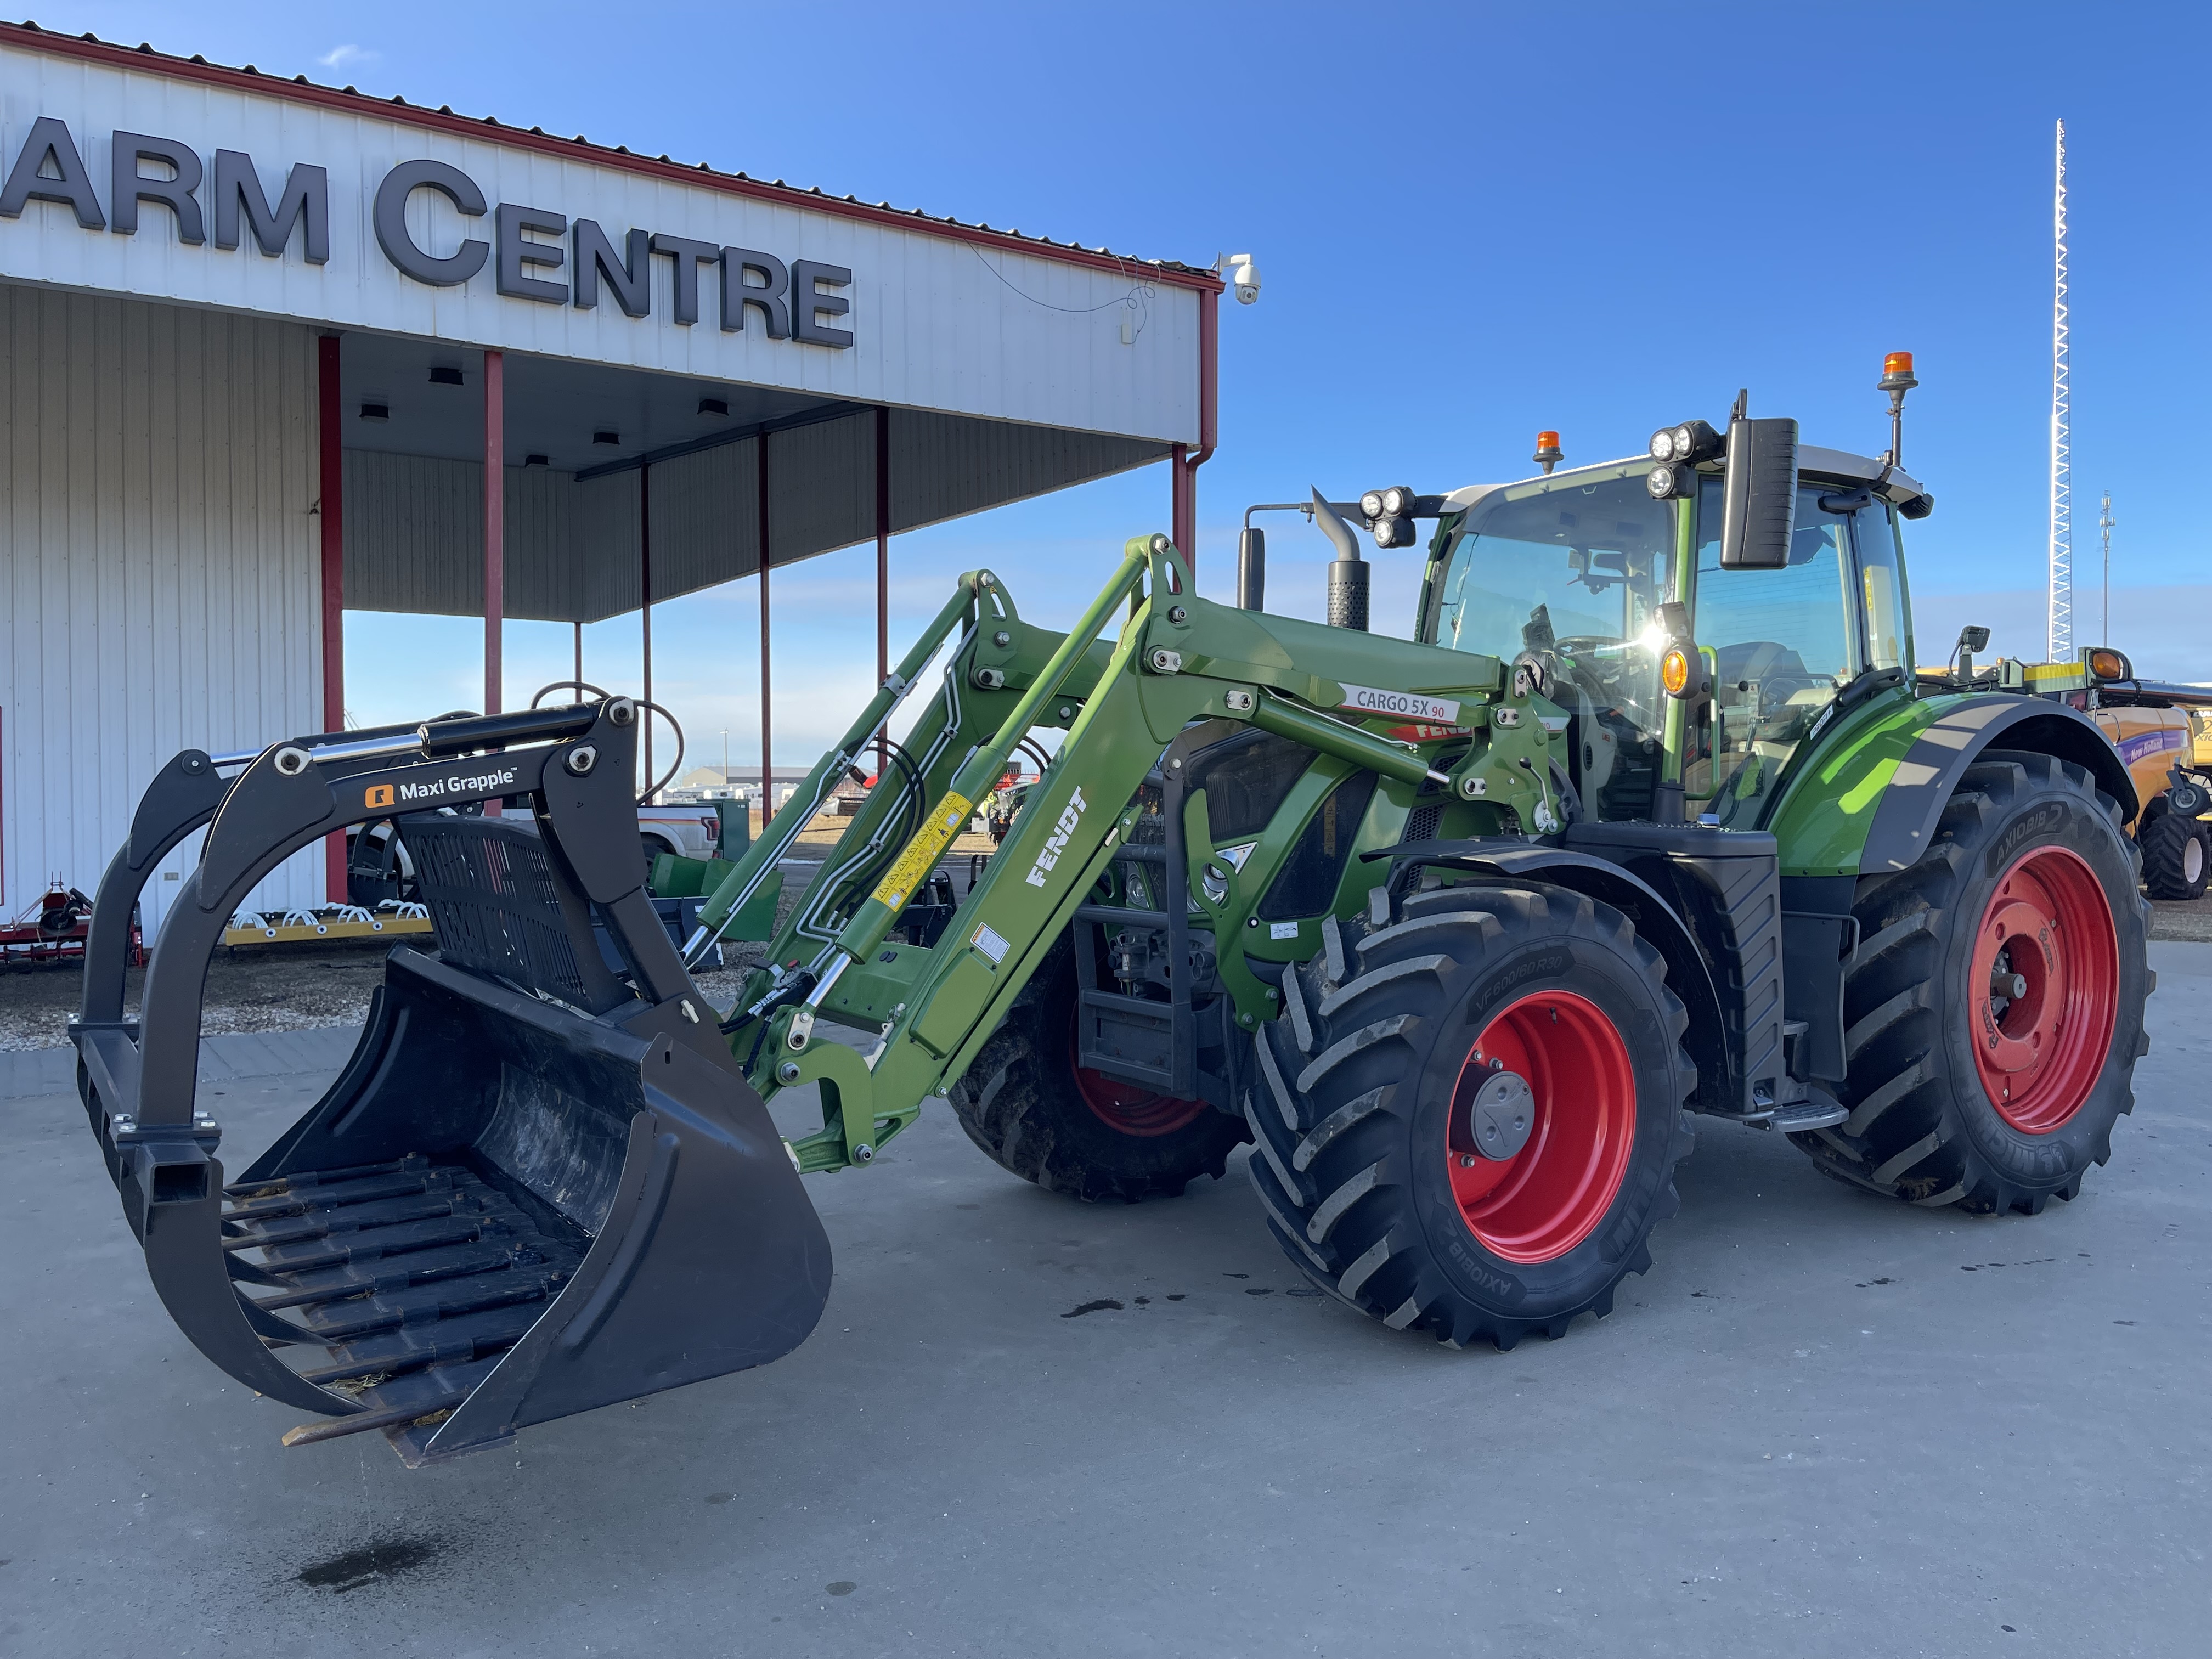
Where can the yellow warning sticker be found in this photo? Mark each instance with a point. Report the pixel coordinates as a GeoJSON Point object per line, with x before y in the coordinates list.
{"type": "Point", "coordinates": [921, 853]}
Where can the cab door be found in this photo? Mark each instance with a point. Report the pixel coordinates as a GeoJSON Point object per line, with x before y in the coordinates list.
{"type": "Point", "coordinates": [1779, 645]}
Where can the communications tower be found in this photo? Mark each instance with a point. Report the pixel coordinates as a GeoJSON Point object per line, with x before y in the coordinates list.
{"type": "Point", "coordinates": [2060, 645]}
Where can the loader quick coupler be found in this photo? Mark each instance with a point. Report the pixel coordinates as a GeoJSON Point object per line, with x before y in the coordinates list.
{"type": "Point", "coordinates": [539, 1186]}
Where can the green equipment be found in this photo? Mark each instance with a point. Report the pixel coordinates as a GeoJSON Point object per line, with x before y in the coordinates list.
{"type": "Point", "coordinates": [1652, 817]}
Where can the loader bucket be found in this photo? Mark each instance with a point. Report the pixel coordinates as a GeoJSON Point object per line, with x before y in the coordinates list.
{"type": "Point", "coordinates": [536, 1187]}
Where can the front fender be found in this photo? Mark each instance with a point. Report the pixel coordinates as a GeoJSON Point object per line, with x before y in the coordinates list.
{"type": "Point", "coordinates": [1867, 800]}
{"type": "Point", "coordinates": [1656, 921]}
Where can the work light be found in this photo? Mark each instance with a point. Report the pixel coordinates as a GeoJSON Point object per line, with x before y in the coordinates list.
{"type": "Point", "coordinates": [1686, 445]}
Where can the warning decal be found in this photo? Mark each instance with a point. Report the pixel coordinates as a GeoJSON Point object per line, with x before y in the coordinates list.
{"type": "Point", "coordinates": [921, 853]}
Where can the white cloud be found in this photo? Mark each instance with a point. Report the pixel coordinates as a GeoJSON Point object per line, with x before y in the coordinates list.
{"type": "Point", "coordinates": [347, 56]}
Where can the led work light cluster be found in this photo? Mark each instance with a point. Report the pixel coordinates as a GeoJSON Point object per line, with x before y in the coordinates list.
{"type": "Point", "coordinates": [1389, 514]}
{"type": "Point", "coordinates": [1675, 453]}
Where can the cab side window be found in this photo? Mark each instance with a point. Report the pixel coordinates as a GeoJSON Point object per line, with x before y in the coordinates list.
{"type": "Point", "coordinates": [1779, 645]}
{"type": "Point", "coordinates": [1889, 635]}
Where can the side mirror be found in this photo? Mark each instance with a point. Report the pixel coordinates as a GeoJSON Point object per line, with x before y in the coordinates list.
{"type": "Point", "coordinates": [1760, 492]}
{"type": "Point", "coordinates": [1252, 569]}
{"type": "Point", "coordinates": [2106, 665]}
{"type": "Point", "coordinates": [1973, 639]}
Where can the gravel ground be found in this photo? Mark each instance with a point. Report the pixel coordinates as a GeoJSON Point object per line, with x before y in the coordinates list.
{"type": "Point", "coordinates": [283, 987]}
{"type": "Point", "coordinates": [298, 987]}
{"type": "Point", "coordinates": [2186, 920]}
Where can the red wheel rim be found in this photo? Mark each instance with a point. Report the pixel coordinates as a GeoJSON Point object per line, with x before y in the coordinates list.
{"type": "Point", "coordinates": [1539, 1204]}
{"type": "Point", "coordinates": [1128, 1108]}
{"type": "Point", "coordinates": [2044, 984]}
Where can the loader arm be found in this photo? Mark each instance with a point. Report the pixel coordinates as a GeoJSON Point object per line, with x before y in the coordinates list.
{"type": "Point", "coordinates": [995, 658]}
{"type": "Point", "coordinates": [1178, 659]}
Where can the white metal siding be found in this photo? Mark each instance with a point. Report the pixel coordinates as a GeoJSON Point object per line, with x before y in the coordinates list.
{"type": "Point", "coordinates": [159, 565]}
{"type": "Point", "coordinates": [938, 324]}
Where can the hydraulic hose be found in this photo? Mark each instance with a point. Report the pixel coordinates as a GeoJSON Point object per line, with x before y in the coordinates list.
{"type": "Point", "coordinates": [776, 835]}
{"type": "Point", "coordinates": [872, 923]}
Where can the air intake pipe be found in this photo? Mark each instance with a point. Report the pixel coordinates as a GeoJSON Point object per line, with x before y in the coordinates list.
{"type": "Point", "coordinates": [1348, 572]}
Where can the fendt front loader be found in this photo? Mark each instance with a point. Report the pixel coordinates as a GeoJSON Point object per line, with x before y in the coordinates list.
{"type": "Point", "coordinates": [1653, 818]}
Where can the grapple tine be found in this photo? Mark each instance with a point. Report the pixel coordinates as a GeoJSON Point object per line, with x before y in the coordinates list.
{"type": "Point", "coordinates": [427, 1273]}
{"type": "Point", "coordinates": [307, 1179]}
{"type": "Point", "coordinates": [491, 1290]}
{"type": "Point", "coordinates": [429, 1206]}
{"type": "Point", "coordinates": [320, 1197]}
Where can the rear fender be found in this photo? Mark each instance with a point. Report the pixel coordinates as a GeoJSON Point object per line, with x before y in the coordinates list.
{"type": "Point", "coordinates": [1868, 799]}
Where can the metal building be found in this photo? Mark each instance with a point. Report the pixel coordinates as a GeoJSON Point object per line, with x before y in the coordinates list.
{"type": "Point", "coordinates": [260, 338]}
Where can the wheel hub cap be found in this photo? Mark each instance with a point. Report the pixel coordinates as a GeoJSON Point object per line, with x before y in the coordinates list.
{"type": "Point", "coordinates": [2044, 989]}
{"type": "Point", "coordinates": [1552, 1060]}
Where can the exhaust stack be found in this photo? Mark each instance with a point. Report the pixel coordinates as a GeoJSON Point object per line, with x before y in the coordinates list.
{"type": "Point", "coordinates": [1348, 572]}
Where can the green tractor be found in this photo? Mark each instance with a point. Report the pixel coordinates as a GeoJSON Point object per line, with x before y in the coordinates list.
{"type": "Point", "coordinates": [1653, 819]}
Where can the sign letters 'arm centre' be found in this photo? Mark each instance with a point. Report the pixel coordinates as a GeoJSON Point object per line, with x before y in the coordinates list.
{"type": "Point", "coordinates": [541, 255]}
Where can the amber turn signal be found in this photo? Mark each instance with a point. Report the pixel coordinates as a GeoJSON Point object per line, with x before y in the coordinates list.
{"type": "Point", "coordinates": [1674, 671]}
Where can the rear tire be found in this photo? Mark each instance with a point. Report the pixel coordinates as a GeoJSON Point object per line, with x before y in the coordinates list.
{"type": "Point", "coordinates": [2177, 856]}
{"type": "Point", "coordinates": [1025, 1103]}
{"type": "Point", "coordinates": [1365, 1166]}
{"type": "Point", "coordinates": [1959, 1096]}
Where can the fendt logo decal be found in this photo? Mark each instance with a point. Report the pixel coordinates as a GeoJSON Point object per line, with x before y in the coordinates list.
{"type": "Point", "coordinates": [1057, 840]}
{"type": "Point", "coordinates": [445, 788]}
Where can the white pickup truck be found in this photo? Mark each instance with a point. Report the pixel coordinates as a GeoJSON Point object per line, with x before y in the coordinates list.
{"type": "Point", "coordinates": [691, 831]}
{"type": "Point", "coordinates": [381, 871]}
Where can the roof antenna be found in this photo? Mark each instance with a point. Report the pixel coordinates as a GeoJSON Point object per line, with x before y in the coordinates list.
{"type": "Point", "coordinates": [1742, 409]}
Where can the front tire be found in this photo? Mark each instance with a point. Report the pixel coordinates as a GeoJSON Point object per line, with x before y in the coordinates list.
{"type": "Point", "coordinates": [1994, 1013]}
{"type": "Point", "coordinates": [1368, 1161]}
{"type": "Point", "coordinates": [1026, 1103]}
{"type": "Point", "coordinates": [2176, 860]}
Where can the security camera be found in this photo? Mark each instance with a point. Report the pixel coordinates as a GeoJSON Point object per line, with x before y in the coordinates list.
{"type": "Point", "coordinates": [1244, 276]}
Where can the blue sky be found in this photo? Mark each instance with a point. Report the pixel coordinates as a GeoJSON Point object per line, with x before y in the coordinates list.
{"type": "Point", "coordinates": [1472, 222]}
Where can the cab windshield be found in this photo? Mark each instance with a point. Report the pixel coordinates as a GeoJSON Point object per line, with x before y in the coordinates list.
{"type": "Point", "coordinates": [1574, 569]}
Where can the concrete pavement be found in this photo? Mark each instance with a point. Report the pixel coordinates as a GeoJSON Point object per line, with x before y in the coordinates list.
{"type": "Point", "coordinates": [1825, 1424]}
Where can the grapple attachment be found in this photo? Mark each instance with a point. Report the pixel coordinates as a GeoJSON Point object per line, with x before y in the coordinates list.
{"type": "Point", "coordinates": [536, 1187]}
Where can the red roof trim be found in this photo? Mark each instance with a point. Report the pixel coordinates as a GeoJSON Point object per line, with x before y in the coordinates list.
{"type": "Point", "coordinates": [35, 39]}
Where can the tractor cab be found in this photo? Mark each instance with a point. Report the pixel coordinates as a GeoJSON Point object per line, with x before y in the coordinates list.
{"type": "Point", "coordinates": [1594, 576]}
